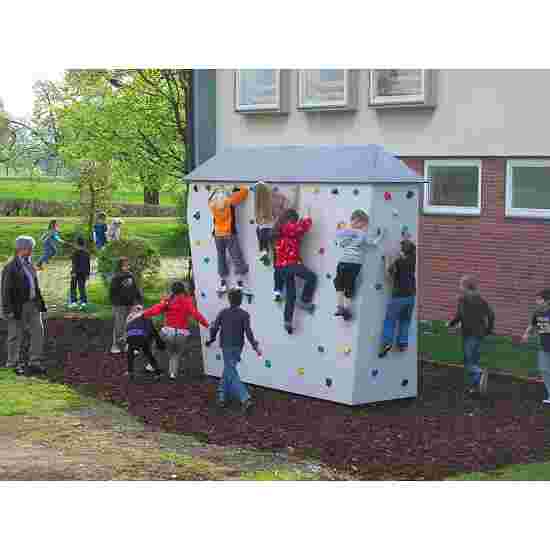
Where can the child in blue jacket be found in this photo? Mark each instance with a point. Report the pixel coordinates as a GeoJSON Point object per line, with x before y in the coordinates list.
{"type": "Point", "coordinates": [50, 240]}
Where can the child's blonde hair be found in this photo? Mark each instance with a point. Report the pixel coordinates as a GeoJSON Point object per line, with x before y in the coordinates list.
{"type": "Point", "coordinates": [263, 207]}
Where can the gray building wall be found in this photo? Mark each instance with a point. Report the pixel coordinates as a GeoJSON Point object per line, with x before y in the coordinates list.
{"type": "Point", "coordinates": [478, 113]}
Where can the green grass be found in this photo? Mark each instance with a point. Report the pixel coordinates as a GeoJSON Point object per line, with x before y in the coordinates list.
{"type": "Point", "coordinates": [278, 475]}
{"type": "Point", "coordinates": [497, 352]}
{"type": "Point", "coordinates": [539, 471]}
{"type": "Point", "coordinates": [166, 234]}
{"type": "Point", "coordinates": [63, 191]}
{"type": "Point", "coordinates": [34, 397]}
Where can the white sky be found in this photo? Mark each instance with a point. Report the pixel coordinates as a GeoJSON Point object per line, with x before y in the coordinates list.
{"type": "Point", "coordinates": [16, 88]}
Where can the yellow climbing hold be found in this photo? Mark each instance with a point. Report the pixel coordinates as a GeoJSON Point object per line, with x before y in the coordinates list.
{"type": "Point", "coordinates": [198, 243]}
{"type": "Point", "coordinates": [301, 371]}
{"type": "Point", "coordinates": [344, 349]}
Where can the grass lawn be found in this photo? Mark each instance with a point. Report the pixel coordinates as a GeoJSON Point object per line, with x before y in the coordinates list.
{"type": "Point", "coordinates": [62, 191]}
{"type": "Point", "coordinates": [34, 397]}
{"type": "Point", "coordinates": [538, 471]}
{"type": "Point", "coordinates": [497, 352]}
{"type": "Point", "coordinates": [165, 233]}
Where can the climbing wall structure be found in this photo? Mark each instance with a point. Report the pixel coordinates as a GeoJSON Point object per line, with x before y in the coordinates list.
{"type": "Point", "coordinates": [326, 357]}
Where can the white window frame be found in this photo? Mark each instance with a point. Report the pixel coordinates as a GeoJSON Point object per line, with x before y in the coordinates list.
{"type": "Point", "coordinates": [346, 103]}
{"type": "Point", "coordinates": [265, 108]}
{"type": "Point", "coordinates": [425, 99]}
{"type": "Point", "coordinates": [452, 210]}
{"type": "Point", "coordinates": [512, 212]}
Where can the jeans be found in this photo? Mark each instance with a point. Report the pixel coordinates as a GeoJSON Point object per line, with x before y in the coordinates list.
{"type": "Point", "coordinates": [544, 368]}
{"type": "Point", "coordinates": [472, 352]}
{"type": "Point", "coordinates": [288, 275]}
{"type": "Point", "coordinates": [79, 280]}
{"type": "Point", "coordinates": [49, 251]}
{"type": "Point", "coordinates": [399, 309]}
{"type": "Point", "coordinates": [230, 382]}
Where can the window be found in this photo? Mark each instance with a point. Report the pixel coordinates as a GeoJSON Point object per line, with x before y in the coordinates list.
{"type": "Point", "coordinates": [324, 89]}
{"type": "Point", "coordinates": [528, 188]}
{"type": "Point", "coordinates": [258, 90]}
{"type": "Point", "coordinates": [402, 87]}
{"type": "Point", "coordinates": [454, 187]}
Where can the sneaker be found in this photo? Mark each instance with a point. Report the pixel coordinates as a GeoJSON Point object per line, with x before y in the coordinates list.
{"type": "Point", "coordinates": [277, 296]}
{"type": "Point", "coordinates": [247, 406]}
{"type": "Point", "coordinates": [386, 348]}
{"type": "Point", "coordinates": [546, 401]}
{"type": "Point", "coordinates": [172, 377]}
{"type": "Point", "coordinates": [83, 305]}
{"type": "Point", "coordinates": [73, 305]}
{"type": "Point", "coordinates": [222, 287]}
{"type": "Point", "coordinates": [20, 370]}
{"type": "Point", "coordinates": [483, 382]}
{"type": "Point", "coordinates": [115, 350]}
{"type": "Point", "coordinates": [149, 368]}
{"type": "Point", "coordinates": [288, 328]}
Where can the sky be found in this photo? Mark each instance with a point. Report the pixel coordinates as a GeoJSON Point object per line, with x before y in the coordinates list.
{"type": "Point", "coordinates": [16, 88]}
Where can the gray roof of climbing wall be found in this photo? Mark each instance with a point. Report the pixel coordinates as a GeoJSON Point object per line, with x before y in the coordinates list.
{"type": "Point", "coordinates": [306, 164]}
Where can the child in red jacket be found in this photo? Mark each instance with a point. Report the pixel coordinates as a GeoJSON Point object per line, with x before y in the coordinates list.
{"type": "Point", "coordinates": [289, 233]}
{"type": "Point", "coordinates": [178, 308]}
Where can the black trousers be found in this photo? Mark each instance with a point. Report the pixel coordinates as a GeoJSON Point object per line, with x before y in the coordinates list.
{"type": "Point", "coordinates": [288, 275]}
{"type": "Point", "coordinates": [346, 274]}
{"type": "Point", "coordinates": [264, 238]}
{"type": "Point", "coordinates": [140, 343]}
{"type": "Point", "coordinates": [80, 281]}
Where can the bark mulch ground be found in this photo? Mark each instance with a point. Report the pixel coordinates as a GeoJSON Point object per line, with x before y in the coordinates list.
{"type": "Point", "coordinates": [433, 436]}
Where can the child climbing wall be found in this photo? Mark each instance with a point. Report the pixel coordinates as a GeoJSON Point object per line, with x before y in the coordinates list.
{"type": "Point", "coordinates": [222, 205]}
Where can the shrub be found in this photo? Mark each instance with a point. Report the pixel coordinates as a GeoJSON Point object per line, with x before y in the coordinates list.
{"type": "Point", "coordinates": [143, 256]}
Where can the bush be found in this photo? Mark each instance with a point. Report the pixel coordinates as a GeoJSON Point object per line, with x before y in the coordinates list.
{"type": "Point", "coordinates": [143, 256]}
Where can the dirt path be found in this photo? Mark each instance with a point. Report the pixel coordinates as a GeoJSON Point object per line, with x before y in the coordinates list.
{"type": "Point", "coordinates": [103, 442]}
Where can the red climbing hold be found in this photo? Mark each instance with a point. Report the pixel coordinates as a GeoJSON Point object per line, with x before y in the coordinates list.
{"type": "Point", "coordinates": [321, 251]}
{"type": "Point", "coordinates": [387, 196]}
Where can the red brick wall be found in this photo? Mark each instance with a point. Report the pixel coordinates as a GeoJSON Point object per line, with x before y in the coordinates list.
{"type": "Point", "coordinates": [511, 256]}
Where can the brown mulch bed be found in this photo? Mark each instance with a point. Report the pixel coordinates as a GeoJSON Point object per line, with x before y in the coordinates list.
{"type": "Point", "coordinates": [433, 436]}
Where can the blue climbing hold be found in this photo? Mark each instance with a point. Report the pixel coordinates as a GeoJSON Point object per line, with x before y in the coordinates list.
{"type": "Point", "coordinates": [335, 191]}
{"type": "Point", "coordinates": [374, 373]}
{"type": "Point", "coordinates": [320, 349]}
{"type": "Point", "coordinates": [410, 194]}
{"type": "Point", "coordinates": [378, 286]}
{"type": "Point", "coordinates": [329, 276]}
{"type": "Point", "coordinates": [356, 192]}
{"type": "Point", "coordinates": [203, 294]}
{"type": "Point", "coordinates": [206, 260]}
{"type": "Point", "coordinates": [197, 215]}
{"type": "Point", "coordinates": [405, 382]}
{"type": "Point", "coordinates": [218, 357]}
{"type": "Point", "coordinates": [267, 364]}
{"type": "Point", "coordinates": [328, 382]}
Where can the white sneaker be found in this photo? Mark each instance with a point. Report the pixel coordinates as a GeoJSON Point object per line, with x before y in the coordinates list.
{"type": "Point", "coordinates": [149, 367]}
{"type": "Point", "coordinates": [115, 349]}
{"type": "Point", "coordinates": [276, 296]}
{"type": "Point", "coordinates": [73, 305]}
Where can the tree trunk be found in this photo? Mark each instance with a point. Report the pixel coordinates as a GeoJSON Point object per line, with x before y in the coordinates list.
{"type": "Point", "coordinates": [151, 197]}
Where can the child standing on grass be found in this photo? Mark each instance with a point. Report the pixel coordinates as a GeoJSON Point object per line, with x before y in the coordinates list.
{"type": "Point", "coordinates": [100, 231]}
{"type": "Point", "coordinates": [540, 323]}
{"type": "Point", "coordinates": [233, 323]}
{"type": "Point", "coordinates": [114, 233]}
{"type": "Point", "coordinates": [124, 293]}
{"type": "Point", "coordinates": [477, 320]}
{"type": "Point", "coordinates": [289, 232]}
{"type": "Point", "coordinates": [178, 309]}
{"type": "Point", "coordinates": [80, 273]}
{"type": "Point", "coordinates": [50, 240]}
{"type": "Point", "coordinates": [353, 241]}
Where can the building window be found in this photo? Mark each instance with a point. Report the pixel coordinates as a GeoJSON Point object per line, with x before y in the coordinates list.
{"type": "Point", "coordinates": [402, 87]}
{"type": "Point", "coordinates": [528, 188]}
{"type": "Point", "coordinates": [454, 187]}
{"type": "Point", "coordinates": [325, 89]}
{"type": "Point", "coordinates": [258, 90]}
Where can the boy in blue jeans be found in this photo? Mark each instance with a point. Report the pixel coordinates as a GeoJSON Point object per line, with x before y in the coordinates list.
{"type": "Point", "coordinates": [477, 320]}
{"type": "Point", "coordinates": [50, 238]}
{"type": "Point", "coordinates": [540, 323]}
{"type": "Point", "coordinates": [233, 323]}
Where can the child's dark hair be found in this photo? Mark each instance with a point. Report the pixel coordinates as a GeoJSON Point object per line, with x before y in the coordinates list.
{"type": "Point", "coordinates": [235, 297]}
{"type": "Point", "coordinates": [178, 287]}
{"type": "Point", "coordinates": [408, 247]}
{"type": "Point", "coordinates": [52, 224]}
{"type": "Point", "coordinates": [123, 260]}
{"type": "Point", "coordinates": [544, 294]}
{"type": "Point", "coordinates": [470, 283]}
{"type": "Point", "coordinates": [80, 241]}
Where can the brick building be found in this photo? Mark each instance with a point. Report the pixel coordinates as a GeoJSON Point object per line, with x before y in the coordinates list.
{"type": "Point", "coordinates": [475, 133]}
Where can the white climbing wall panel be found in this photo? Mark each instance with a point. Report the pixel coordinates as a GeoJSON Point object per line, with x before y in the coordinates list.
{"type": "Point", "coordinates": [326, 357]}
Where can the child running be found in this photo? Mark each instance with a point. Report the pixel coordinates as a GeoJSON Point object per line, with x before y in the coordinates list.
{"type": "Point", "coordinates": [140, 333]}
{"type": "Point", "coordinates": [288, 233]}
{"type": "Point", "coordinates": [477, 320]}
{"type": "Point", "coordinates": [178, 308]}
{"type": "Point", "coordinates": [233, 323]}
{"type": "Point", "coordinates": [50, 238]}
{"type": "Point", "coordinates": [540, 323]}
{"type": "Point", "coordinates": [80, 273]}
{"type": "Point", "coordinates": [353, 241]}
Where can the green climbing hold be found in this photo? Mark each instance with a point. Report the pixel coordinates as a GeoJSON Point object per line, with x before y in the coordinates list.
{"type": "Point", "coordinates": [267, 364]}
{"type": "Point", "coordinates": [206, 260]}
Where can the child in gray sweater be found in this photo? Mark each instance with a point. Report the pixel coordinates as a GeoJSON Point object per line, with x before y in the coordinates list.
{"type": "Point", "coordinates": [353, 241]}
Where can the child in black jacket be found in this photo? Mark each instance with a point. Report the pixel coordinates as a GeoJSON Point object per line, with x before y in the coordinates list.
{"type": "Point", "coordinates": [140, 334]}
{"type": "Point", "coordinates": [80, 273]}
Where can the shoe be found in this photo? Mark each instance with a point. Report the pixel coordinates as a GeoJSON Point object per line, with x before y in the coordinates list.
{"type": "Point", "coordinates": [149, 368]}
{"type": "Point", "coordinates": [546, 401]}
{"type": "Point", "coordinates": [277, 296]}
{"type": "Point", "coordinates": [386, 348]}
{"type": "Point", "coordinates": [222, 287]}
{"type": "Point", "coordinates": [288, 328]}
{"type": "Point", "coordinates": [339, 311]}
{"type": "Point", "coordinates": [172, 377]}
{"type": "Point", "coordinates": [20, 370]}
{"type": "Point", "coordinates": [115, 350]}
{"type": "Point", "coordinates": [247, 406]}
{"type": "Point", "coordinates": [73, 305]}
{"type": "Point", "coordinates": [483, 382]}
{"type": "Point", "coordinates": [37, 369]}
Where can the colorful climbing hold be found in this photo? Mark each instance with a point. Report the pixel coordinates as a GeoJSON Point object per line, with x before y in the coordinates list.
{"type": "Point", "coordinates": [316, 189]}
{"type": "Point", "coordinates": [347, 350]}
{"type": "Point", "coordinates": [379, 231]}
{"type": "Point", "coordinates": [329, 276]}
{"type": "Point", "coordinates": [197, 215]}
{"type": "Point", "coordinates": [267, 364]}
{"type": "Point", "coordinates": [405, 382]}
{"type": "Point", "coordinates": [195, 188]}
{"type": "Point", "coordinates": [321, 250]}
{"type": "Point", "coordinates": [328, 382]}
{"type": "Point", "coordinates": [320, 349]}
{"type": "Point", "coordinates": [374, 373]}
{"type": "Point", "coordinates": [301, 371]}
{"type": "Point", "coordinates": [208, 187]}
{"type": "Point", "coordinates": [203, 294]}
{"type": "Point", "coordinates": [387, 196]}
{"type": "Point", "coordinates": [356, 192]}
{"type": "Point", "coordinates": [218, 357]}
{"type": "Point", "coordinates": [335, 191]}
{"type": "Point", "coordinates": [410, 194]}
{"type": "Point", "coordinates": [275, 189]}
{"type": "Point", "coordinates": [252, 222]}
{"type": "Point", "coordinates": [378, 286]}
{"type": "Point", "coordinates": [206, 260]}
{"type": "Point", "coordinates": [395, 212]}
{"type": "Point", "coordinates": [198, 243]}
